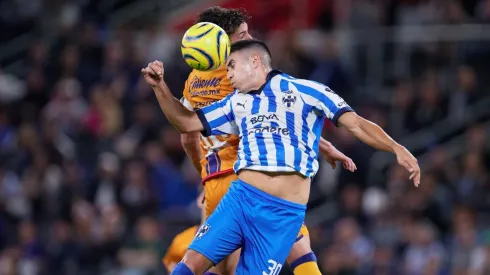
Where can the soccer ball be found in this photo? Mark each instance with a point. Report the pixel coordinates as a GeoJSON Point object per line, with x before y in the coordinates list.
{"type": "Point", "coordinates": [205, 46]}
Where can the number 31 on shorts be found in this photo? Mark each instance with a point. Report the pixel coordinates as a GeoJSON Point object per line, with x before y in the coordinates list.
{"type": "Point", "coordinates": [274, 268]}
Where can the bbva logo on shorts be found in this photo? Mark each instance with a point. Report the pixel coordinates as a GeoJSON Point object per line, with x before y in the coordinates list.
{"type": "Point", "coordinates": [289, 99]}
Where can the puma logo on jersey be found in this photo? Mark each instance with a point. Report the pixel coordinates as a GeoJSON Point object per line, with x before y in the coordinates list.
{"type": "Point", "coordinates": [241, 104]}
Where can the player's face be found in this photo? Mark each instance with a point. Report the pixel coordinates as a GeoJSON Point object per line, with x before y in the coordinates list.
{"type": "Point", "coordinates": [241, 34]}
{"type": "Point", "coordinates": [241, 70]}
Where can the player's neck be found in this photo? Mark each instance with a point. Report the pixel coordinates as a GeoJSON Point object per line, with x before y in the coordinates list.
{"type": "Point", "coordinates": [261, 79]}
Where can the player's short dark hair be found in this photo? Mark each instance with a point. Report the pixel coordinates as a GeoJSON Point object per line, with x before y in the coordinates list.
{"type": "Point", "coordinates": [248, 44]}
{"type": "Point", "coordinates": [228, 19]}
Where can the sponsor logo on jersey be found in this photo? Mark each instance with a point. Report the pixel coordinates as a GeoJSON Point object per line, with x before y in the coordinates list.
{"type": "Point", "coordinates": [199, 105]}
{"type": "Point", "coordinates": [262, 118]}
{"type": "Point", "coordinates": [200, 83]}
{"type": "Point", "coordinates": [269, 129]}
{"type": "Point", "coordinates": [205, 93]}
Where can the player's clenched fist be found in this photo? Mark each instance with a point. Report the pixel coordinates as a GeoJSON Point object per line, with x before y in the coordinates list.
{"type": "Point", "coordinates": [153, 73]}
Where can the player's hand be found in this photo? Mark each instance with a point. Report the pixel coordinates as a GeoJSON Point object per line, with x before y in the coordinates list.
{"type": "Point", "coordinates": [153, 73]}
{"type": "Point", "coordinates": [407, 160]}
{"type": "Point", "coordinates": [333, 155]}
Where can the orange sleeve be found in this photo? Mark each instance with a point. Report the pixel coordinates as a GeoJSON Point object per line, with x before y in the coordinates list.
{"type": "Point", "coordinates": [185, 92]}
{"type": "Point", "coordinates": [178, 247]}
{"type": "Point", "coordinates": [172, 257]}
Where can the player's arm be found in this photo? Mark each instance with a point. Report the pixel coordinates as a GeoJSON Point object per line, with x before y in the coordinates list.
{"type": "Point", "coordinates": [339, 112]}
{"type": "Point", "coordinates": [215, 119]}
{"type": "Point", "coordinates": [192, 147]}
{"type": "Point", "coordinates": [371, 134]}
{"type": "Point", "coordinates": [191, 142]}
{"type": "Point", "coordinates": [368, 132]}
{"type": "Point", "coordinates": [171, 258]}
{"type": "Point", "coordinates": [183, 120]}
{"type": "Point", "coordinates": [332, 155]}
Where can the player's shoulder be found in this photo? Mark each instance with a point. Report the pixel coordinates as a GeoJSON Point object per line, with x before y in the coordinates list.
{"type": "Point", "coordinates": [191, 230]}
{"type": "Point", "coordinates": [311, 84]}
{"type": "Point", "coordinates": [207, 85]}
{"type": "Point", "coordinates": [234, 94]}
{"type": "Point", "coordinates": [189, 233]}
{"type": "Point", "coordinates": [212, 77]}
{"type": "Point", "coordinates": [300, 85]}
{"type": "Point", "coordinates": [221, 71]}
{"type": "Point", "coordinates": [232, 97]}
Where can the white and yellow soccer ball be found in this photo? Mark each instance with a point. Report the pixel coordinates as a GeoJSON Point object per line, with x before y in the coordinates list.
{"type": "Point", "coordinates": [205, 46]}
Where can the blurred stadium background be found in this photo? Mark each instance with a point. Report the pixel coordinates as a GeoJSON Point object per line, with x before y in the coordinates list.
{"type": "Point", "coordinates": [90, 169]}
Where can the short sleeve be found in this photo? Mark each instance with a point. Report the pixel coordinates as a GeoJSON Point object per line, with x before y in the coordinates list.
{"type": "Point", "coordinates": [171, 258]}
{"type": "Point", "coordinates": [186, 97]}
{"type": "Point", "coordinates": [326, 101]}
{"type": "Point", "coordinates": [186, 104]}
{"type": "Point", "coordinates": [332, 105]}
{"type": "Point", "coordinates": [218, 118]}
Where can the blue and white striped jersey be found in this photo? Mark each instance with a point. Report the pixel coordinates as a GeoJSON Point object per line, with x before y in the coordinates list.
{"type": "Point", "coordinates": [279, 125]}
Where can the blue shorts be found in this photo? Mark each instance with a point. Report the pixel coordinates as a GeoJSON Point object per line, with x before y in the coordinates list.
{"type": "Point", "coordinates": [264, 226]}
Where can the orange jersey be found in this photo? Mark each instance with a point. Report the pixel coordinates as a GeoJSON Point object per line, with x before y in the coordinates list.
{"type": "Point", "coordinates": [177, 249]}
{"type": "Point", "coordinates": [219, 152]}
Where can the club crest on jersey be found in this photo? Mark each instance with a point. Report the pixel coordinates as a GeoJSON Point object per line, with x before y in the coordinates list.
{"type": "Point", "coordinates": [202, 230]}
{"type": "Point", "coordinates": [289, 99]}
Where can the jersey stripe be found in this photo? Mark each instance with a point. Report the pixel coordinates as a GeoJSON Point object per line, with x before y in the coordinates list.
{"type": "Point", "coordinates": [284, 85]}
{"type": "Point", "coordinates": [272, 106]}
{"type": "Point", "coordinates": [304, 137]}
{"type": "Point", "coordinates": [290, 119]}
{"type": "Point", "coordinates": [262, 156]}
{"type": "Point", "coordinates": [256, 105]}
{"type": "Point", "coordinates": [213, 163]}
{"type": "Point", "coordinates": [279, 146]}
{"type": "Point", "coordinates": [245, 145]}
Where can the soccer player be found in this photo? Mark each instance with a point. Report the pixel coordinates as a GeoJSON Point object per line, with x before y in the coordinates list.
{"type": "Point", "coordinates": [178, 247]}
{"type": "Point", "coordinates": [279, 119]}
{"type": "Point", "coordinates": [219, 152]}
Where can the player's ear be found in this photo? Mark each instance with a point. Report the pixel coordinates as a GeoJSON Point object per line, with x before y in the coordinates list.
{"type": "Point", "coordinates": [255, 60]}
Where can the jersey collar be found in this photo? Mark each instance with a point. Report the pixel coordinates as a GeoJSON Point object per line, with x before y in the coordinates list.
{"type": "Point", "coordinates": [270, 75]}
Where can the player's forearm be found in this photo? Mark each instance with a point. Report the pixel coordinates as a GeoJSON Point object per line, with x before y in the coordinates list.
{"type": "Point", "coordinates": [183, 120]}
{"type": "Point", "coordinates": [325, 146]}
{"type": "Point", "coordinates": [192, 147]}
{"type": "Point", "coordinates": [195, 158]}
{"type": "Point", "coordinates": [371, 134]}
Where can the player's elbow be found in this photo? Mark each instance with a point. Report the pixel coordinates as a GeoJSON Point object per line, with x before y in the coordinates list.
{"type": "Point", "coordinates": [351, 121]}
{"type": "Point", "coordinates": [187, 123]}
{"type": "Point", "coordinates": [188, 129]}
{"type": "Point", "coordinates": [181, 127]}
{"type": "Point", "coordinates": [193, 124]}
{"type": "Point", "coordinates": [190, 139]}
